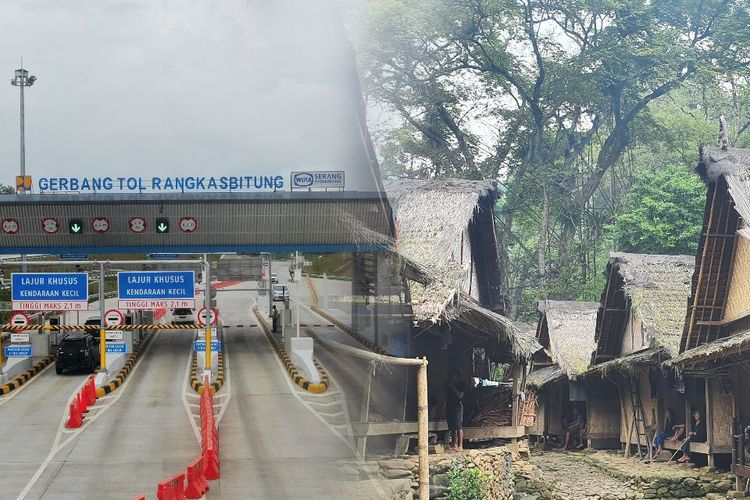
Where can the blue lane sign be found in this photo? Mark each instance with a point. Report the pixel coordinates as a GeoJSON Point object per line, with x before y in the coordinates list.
{"type": "Point", "coordinates": [50, 291]}
{"type": "Point", "coordinates": [200, 346]}
{"type": "Point", "coordinates": [116, 347]}
{"type": "Point", "coordinates": [156, 289]}
{"type": "Point", "coordinates": [17, 351]}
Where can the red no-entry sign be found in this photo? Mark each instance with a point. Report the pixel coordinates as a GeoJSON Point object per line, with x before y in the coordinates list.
{"type": "Point", "coordinates": [114, 317]}
{"type": "Point", "coordinates": [19, 319]}
{"type": "Point", "coordinates": [202, 320]}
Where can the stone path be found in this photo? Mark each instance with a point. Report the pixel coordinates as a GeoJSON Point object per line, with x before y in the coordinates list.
{"type": "Point", "coordinates": [574, 479]}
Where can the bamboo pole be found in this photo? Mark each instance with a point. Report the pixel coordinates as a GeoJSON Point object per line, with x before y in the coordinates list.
{"type": "Point", "coordinates": [424, 465]}
{"type": "Point", "coordinates": [422, 407]}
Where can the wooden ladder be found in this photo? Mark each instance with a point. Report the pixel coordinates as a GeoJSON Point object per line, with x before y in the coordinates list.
{"type": "Point", "coordinates": [638, 421]}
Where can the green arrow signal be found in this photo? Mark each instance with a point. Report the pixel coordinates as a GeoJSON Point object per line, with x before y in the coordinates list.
{"type": "Point", "coordinates": [75, 226]}
{"type": "Point", "coordinates": [162, 226]}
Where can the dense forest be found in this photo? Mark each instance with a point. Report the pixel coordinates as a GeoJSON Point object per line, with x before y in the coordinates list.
{"type": "Point", "coordinates": [589, 113]}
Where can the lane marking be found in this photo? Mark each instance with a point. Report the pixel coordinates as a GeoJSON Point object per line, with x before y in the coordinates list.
{"type": "Point", "coordinates": [15, 393]}
{"type": "Point", "coordinates": [185, 387]}
{"type": "Point", "coordinates": [227, 388]}
{"type": "Point", "coordinates": [293, 388]}
{"type": "Point", "coordinates": [58, 445]}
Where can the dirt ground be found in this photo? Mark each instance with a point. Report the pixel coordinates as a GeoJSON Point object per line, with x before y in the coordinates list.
{"type": "Point", "coordinates": [603, 475]}
{"type": "Point", "coordinates": [575, 479]}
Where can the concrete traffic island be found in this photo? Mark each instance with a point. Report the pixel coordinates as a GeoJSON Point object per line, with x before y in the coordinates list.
{"type": "Point", "coordinates": [196, 374]}
{"type": "Point", "coordinates": [298, 379]}
{"type": "Point", "coordinates": [349, 331]}
{"type": "Point", "coordinates": [27, 375]}
{"type": "Point", "coordinates": [105, 385]}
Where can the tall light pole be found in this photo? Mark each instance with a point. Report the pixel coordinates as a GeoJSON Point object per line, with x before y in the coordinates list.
{"type": "Point", "coordinates": [21, 80]}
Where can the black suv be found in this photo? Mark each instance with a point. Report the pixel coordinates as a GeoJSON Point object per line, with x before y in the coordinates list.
{"type": "Point", "coordinates": [77, 350]}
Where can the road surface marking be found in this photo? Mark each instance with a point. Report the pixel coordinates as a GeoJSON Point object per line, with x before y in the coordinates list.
{"type": "Point", "coordinates": [15, 393]}
{"type": "Point", "coordinates": [57, 445]}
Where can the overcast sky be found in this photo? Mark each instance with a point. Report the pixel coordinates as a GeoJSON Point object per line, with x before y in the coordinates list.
{"type": "Point", "coordinates": [179, 87]}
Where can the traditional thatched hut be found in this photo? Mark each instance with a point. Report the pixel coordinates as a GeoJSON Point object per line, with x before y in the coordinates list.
{"type": "Point", "coordinates": [638, 326]}
{"type": "Point", "coordinates": [566, 332]}
{"type": "Point", "coordinates": [445, 231]}
{"type": "Point", "coordinates": [715, 346]}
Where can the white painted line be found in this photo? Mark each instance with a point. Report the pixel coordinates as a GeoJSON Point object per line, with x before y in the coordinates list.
{"type": "Point", "coordinates": [57, 445]}
{"type": "Point", "coordinates": [227, 387]}
{"type": "Point", "coordinates": [294, 390]}
{"type": "Point", "coordinates": [185, 387]}
{"type": "Point", "coordinates": [15, 393]}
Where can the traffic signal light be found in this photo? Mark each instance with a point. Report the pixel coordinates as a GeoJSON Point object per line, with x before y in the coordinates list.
{"type": "Point", "coordinates": [75, 226]}
{"type": "Point", "coordinates": [162, 225]}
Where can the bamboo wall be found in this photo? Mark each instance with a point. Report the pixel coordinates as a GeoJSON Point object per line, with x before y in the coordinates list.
{"type": "Point", "coordinates": [720, 420]}
{"type": "Point", "coordinates": [738, 299]}
{"type": "Point", "coordinates": [541, 418]}
{"type": "Point", "coordinates": [603, 417]}
{"type": "Point", "coordinates": [633, 338]}
{"type": "Point", "coordinates": [650, 407]}
{"type": "Point", "coordinates": [741, 383]}
{"type": "Point", "coordinates": [552, 402]}
{"type": "Point", "coordinates": [558, 402]}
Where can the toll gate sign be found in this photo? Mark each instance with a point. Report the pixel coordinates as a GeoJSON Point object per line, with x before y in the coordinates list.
{"type": "Point", "coordinates": [156, 289]}
{"type": "Point", "coordinates": [50, 291]}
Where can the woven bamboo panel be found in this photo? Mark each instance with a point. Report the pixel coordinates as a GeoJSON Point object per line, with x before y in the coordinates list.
{"type": "Point", "coordinates": [529, 409]}
{"type": "Point", "coordinates": [722, 411]}
{"type": "Point", "coordinates": [738, 301]}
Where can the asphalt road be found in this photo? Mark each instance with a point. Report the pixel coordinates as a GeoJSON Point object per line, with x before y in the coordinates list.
{"type": "Point", "coordinates": [273, 446]}
{"type": "Point", "coordinates": [141, 435]}
{"type": "Point", "coordinates": [273, 443]}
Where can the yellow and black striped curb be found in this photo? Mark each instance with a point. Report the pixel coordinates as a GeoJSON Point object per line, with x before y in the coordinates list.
{"type": "Point", "coordinates": [197, 385]}
{"type": "Point", "coordinates": [284, 356]}
{"type": "Point", "coordinates": [12, 328]}
{"type": "Point", "coordinates": [124, 371]}
{"type": "Point", "coordinates": [27, 375]}
{"type": "Point", "coordinates": [349, 331]}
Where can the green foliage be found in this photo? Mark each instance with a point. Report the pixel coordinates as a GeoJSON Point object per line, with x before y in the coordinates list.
{"type": "Point", "coordinates": [467, 483]}
{"type": "Point", "coordinates": [662, 214]}
{"type": "Point", "coordinates": [563, 101]}
{"type": "Point", "coordinates": [7, 189]}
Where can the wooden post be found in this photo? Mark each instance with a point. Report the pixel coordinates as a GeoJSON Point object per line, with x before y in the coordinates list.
{"type": "Point", "coordinates": [364, 415]}
{"type": "Point", "coordinates": [424, 465]}
{"type": "Point", "coordinates": [708, 420]}
{"type": "Point", "coordinates": [516, 373]}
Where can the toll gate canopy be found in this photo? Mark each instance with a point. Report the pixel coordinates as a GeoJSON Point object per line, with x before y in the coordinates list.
{"type": "Point", "coordinates": [195, 223]}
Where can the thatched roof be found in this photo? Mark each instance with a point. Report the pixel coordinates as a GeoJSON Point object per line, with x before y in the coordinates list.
{"type": "Point", "coordinates": [522, 343]}
{"type": "Point", "coordinates": [734, 165]}
{"type": "Point", "coordinates": [543, 376]}
{"type": "Point", "coordinates": [658, 287]}
{"type": "Point", "coordinates": [627, 364]}
{"type": "Point", "coordinates": [430, 217]}
{"type": "Point", "coordinates": [736, 345]}
{"type": "Point", "coordinates": [569, 328]}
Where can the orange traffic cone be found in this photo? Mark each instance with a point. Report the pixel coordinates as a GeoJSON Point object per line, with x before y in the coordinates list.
{"type": "Point", "coordinates": [74, 420]}
{"type": "Point", "coordinates": [82, 403]}
{"type": "Point", "coordinates": [92, 389]}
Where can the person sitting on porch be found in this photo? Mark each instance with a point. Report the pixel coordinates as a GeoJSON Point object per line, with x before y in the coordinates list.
{"type": "Point", "coordinates": [576, 426]}
{"type": "Point", "coordinates": [671, 432]}
{"type": "Point", "coordinates": [697, 434]}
